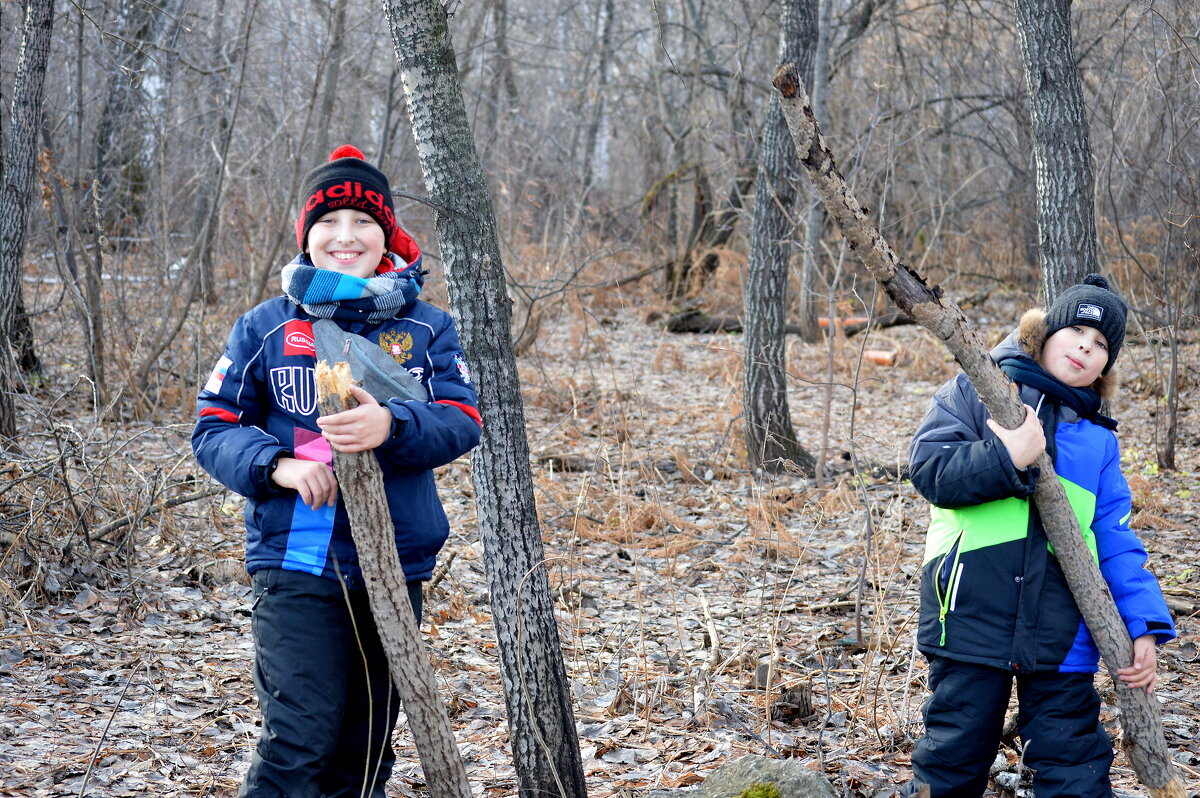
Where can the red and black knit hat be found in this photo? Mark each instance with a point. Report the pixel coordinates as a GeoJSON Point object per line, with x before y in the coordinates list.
{"type": "Point", "coordinates": [347, 181]}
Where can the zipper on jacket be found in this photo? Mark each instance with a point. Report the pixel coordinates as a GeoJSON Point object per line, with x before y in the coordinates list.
{"type": "Point", "coordinates": [948, 595]}
{"type": "Point", "coordinates": [954, 587]}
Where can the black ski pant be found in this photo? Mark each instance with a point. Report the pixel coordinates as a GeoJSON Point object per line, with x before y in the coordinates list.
{"type": "Point", "coordinates": [1058, 718]}
{"type": "Point", "coordinates": [327, 699]}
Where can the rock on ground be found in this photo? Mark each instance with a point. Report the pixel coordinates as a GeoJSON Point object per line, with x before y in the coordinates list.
{"type": "Point", "coordinates": [792, 777]}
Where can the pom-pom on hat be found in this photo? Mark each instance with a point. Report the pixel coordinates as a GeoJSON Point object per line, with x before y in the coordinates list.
{"type": "Point", "coordinates": [1091, 304]}
{"type": "Point", "coordinates": [348, 181]}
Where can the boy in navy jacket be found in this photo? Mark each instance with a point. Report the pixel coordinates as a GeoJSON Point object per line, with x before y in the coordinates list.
{"type": "Point", "coordinates": [995, 605]}
{"type": "Point", "coordinates": [322, 678]}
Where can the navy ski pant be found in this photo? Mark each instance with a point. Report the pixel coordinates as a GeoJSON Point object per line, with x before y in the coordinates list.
{"type": "Point", "coordinates": [327, 700]}
{"type": "Point", "coordinates": [1058, 718]}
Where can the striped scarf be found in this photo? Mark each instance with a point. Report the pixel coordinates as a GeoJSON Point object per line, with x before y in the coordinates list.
{"type": "Point", "coordinates": [327, 294]}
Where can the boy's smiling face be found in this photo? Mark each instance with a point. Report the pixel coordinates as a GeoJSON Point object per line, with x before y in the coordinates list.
{"type": "Point", "coordinates": [1076, 355]}
{"type": "Point", "coordinates": [347, 241]}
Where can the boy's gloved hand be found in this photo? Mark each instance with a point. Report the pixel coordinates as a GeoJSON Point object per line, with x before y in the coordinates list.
{"type": "Point", "coordinates": [314, 481]}
{"type": "Point", "coordinates": [359, 429]}
{"type": "Point", "coordinates": [1026, 442]}
{"type": "Point", "coordinates": [1143, 672]}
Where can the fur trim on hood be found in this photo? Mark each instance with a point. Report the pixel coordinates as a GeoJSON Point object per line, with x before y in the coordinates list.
{"type": "Point", "coordinates": [1031, 335]}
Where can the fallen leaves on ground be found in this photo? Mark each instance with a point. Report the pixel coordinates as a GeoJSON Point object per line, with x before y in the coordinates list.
{"type": "Point", "coordinates": [692, 595]}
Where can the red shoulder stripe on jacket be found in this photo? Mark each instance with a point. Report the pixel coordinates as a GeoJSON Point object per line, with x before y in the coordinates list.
{"type": "Point", "coordinates": [221, 413]}
{"type": "Point", "coordinates": [470, 411]}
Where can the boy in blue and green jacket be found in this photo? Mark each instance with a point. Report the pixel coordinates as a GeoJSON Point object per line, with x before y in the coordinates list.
{"type": "Point", "coordinates": [995, 605]}
{"type": "Point", "coordinates": [321, 674]}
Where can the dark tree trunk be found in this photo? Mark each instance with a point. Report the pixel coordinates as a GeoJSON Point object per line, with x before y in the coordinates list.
{"type": "Point", "coordinates": [1144, 741]}
{"type": "Point", "coordinates": [770, 439]}
{"type": "Point", "coordinates": [20, 158]}
{"type": "Point", "coordinates": [542, 726]}
{"type": "Point", "coordinates": [121, 173]}
{"type": "Point", "coordinates": [1062, 150]}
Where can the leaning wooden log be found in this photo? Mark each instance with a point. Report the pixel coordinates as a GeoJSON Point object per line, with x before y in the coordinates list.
{"type": "Point", "coordinates": [360, 482]}
{"type": "Point", "coordinates": [1143, 739]}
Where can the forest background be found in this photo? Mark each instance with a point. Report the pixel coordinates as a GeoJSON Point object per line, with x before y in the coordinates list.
{"type": "Point", "coordinates": [620, 142]}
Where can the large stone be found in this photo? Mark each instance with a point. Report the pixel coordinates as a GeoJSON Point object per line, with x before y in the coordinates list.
{"type": "Point", "coordinates": [790, 776]}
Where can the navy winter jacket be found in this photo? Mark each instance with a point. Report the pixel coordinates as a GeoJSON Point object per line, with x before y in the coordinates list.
{"type": "Point", "coordinates": [992, 591]}
{"type": "Point", "coordinates": [261, 403]}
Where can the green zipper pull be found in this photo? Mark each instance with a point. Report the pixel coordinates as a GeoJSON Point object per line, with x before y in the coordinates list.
{"type": "Point", "coordinates": [944, 598]}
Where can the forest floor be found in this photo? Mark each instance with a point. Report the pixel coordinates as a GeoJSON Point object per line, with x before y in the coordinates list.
{"type": "Point", "coordinates": [694, 597]}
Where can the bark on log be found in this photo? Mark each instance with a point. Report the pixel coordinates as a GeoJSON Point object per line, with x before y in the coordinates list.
{"type": "Point", "coordinates": [1143, 739]}
{"type": "Point", "coordinates": [361, 484]}
{"type": "Point", "coordinates": [696, 321]}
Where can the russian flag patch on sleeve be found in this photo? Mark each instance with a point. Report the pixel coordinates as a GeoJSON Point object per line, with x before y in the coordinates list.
{"type": "Point", "coordinates": [217, 378]}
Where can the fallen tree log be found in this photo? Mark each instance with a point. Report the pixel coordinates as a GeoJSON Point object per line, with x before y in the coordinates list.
{"type": "Point", "coordinates": [1143, 740]}
{"type": "Point", "coordinates": [696, 321]}
{"type": "Point", "coordinates": [360, 482]}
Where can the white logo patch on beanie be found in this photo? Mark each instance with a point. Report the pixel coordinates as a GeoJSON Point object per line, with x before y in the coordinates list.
{"type": "Point", "coordinates": [1091, 312]}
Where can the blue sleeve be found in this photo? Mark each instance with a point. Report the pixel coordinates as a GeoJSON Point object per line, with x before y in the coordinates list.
{"type": "Point", "coordinates": [229, 441]}
{"type": "Point", "coordinates": [956, 461]}
{"type": "Point", "coordinates": [433, 433]}
{"type": "Point", "coordinates": [1122, 557]}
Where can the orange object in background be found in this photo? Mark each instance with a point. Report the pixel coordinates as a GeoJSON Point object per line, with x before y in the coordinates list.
{"type": "Point", "coordinates": [881, 357]}
{"type": "Point", "coordinates": [823, 321]}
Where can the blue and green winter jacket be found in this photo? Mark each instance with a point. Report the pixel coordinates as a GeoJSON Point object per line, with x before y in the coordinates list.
{"type": "Point", "coordinates": [260, 403]}
{"type": "Point", "coordinates": [992, 591]}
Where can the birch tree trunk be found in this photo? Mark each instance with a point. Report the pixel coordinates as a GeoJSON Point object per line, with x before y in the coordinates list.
{"type": "Point", "coordinates": [19, 162]}
{"type": "Point", "coordinates": [599, 110]}
{"type": "Point", "coordinates": [770, 439]}
{"type": "Point", "coordinates": [360, 482]}
{"type": "Point", "coordinates": [1143, 738]}
{"type": "Point", "coordinates": [1062, 150]}
{"type": "Point", "coordinates": [545, 744]}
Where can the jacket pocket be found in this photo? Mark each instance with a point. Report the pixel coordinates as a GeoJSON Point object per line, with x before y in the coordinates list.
{"type": "Point", "coordinates": [947, 577]}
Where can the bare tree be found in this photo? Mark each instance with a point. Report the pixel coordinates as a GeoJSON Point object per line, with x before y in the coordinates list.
{"type": "Point", "coordinates": [119, 177]}
{"type": "Point", "coordinates": [503, 96]}
{"type": "Point", "coordinates": [770, 439]}
{"type": "Point", "coordinates": [215, 130]}
{"type": "Point", "coordinates": [19, 165]}
{"type": "Point", "coordinates": [594, 134]}
{"type": "Point", "coordinates": [1062, 149]}
{"type": "Point", "coordinates": [333, 71]}
{"type": "Point", "coordinates": [545, 744]}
